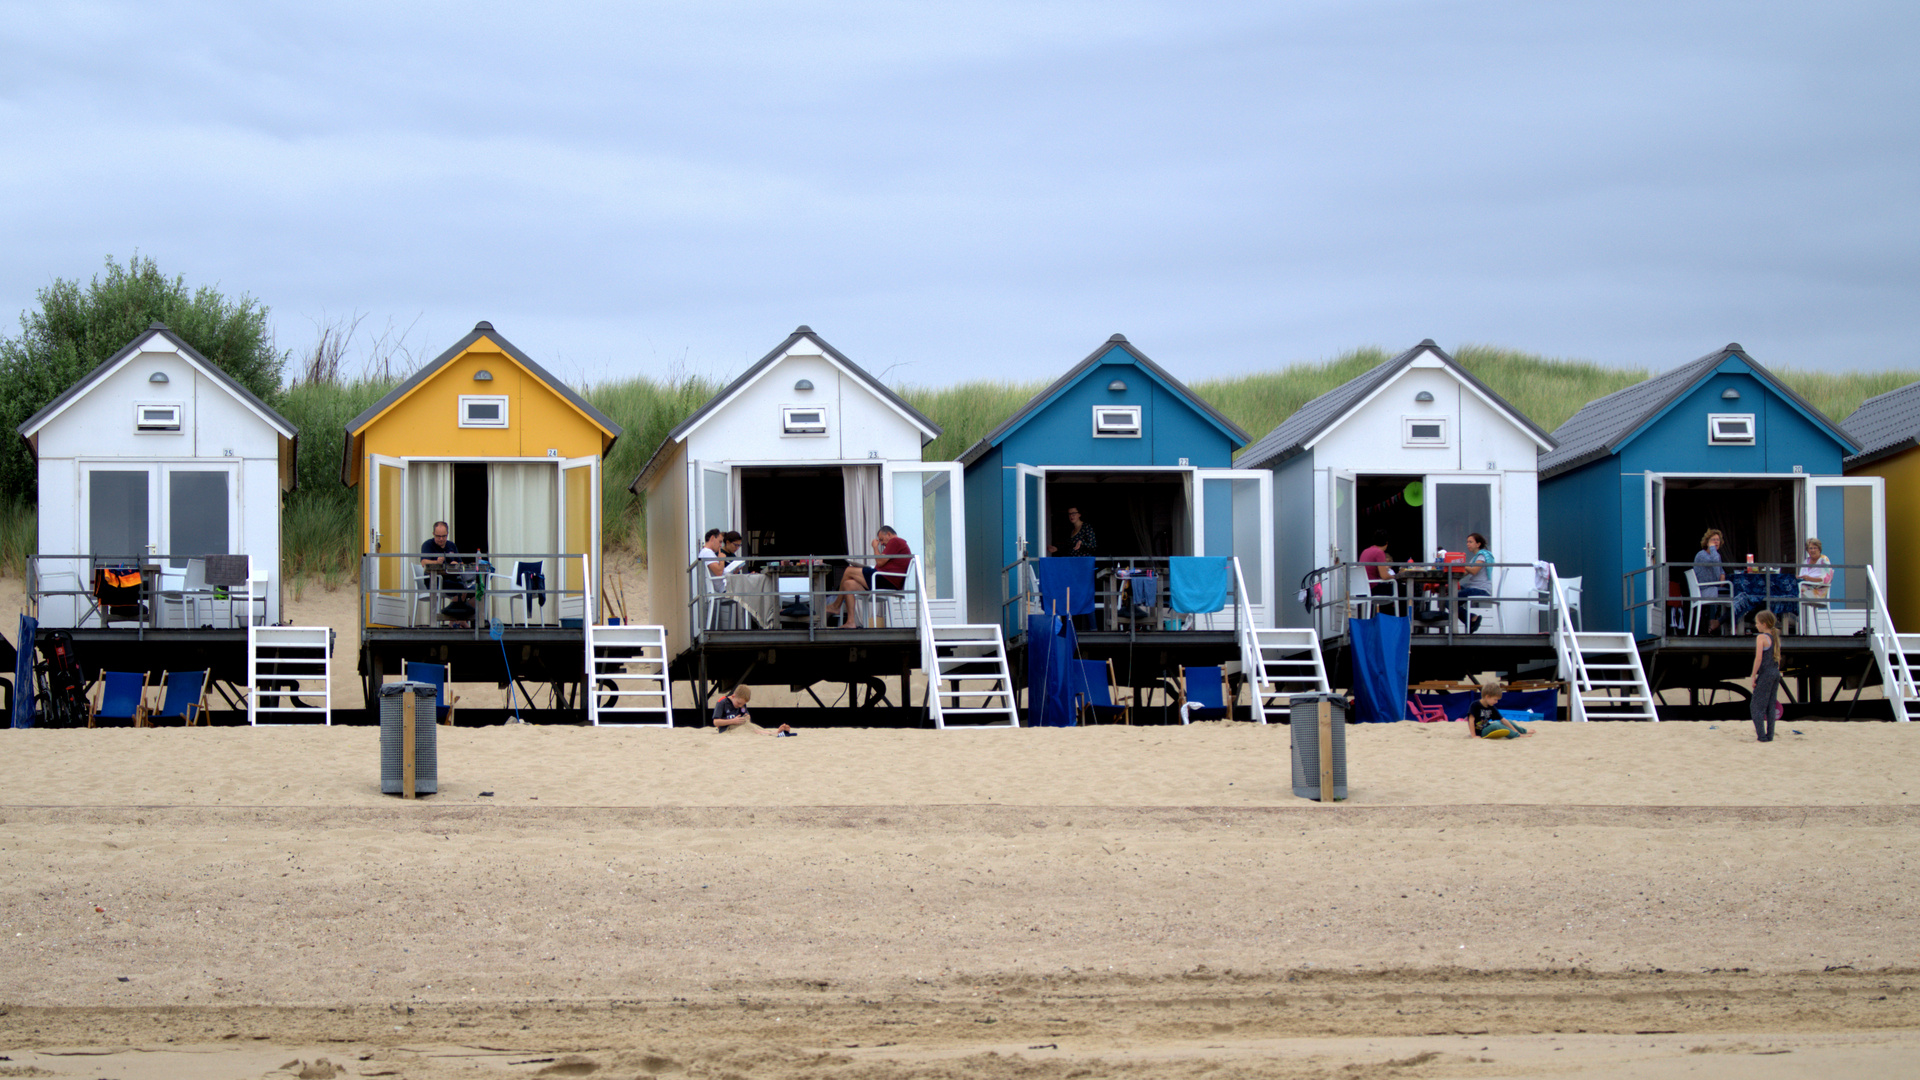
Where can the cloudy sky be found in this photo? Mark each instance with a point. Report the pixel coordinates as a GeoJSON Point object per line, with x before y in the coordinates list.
{"type": "Point", "coordinates": [955, 191]}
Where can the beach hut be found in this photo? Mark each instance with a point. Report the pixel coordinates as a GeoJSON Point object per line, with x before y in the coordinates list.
{"type": "Point", "coordinates": [1146, 463]}
{"type": "Point", "coordinates": [1887, 429]}
{"type": "Point", "coordinates": [1419, 448]}
{"type": "Point", "coordinates": [158, 460]}
{"type": "Point", "coordinates": [1640, 475]}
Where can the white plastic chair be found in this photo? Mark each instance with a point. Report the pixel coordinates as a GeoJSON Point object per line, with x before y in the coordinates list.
{"type": "Point", "coordinates": [1360, 593]}
{"type": "Point", "coordinates": [1699, 600]}
{"type": "Point", "coordinates": [1815, 610]}
{"type": "Point", "coordinates": [1491, 605]}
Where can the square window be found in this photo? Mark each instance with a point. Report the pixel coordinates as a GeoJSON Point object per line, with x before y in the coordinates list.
{"type": "Point", "coordinates": [1116, 421]}
{"type": "Point", "coordinates": [1423, 431]}
{"type": "Point", "coordinates": [156, 418]}
{"type": "Point", "coordinates": [483, 410]}
{"type": "Point", "coordinates": [803, 420]}
{"type": "Point", "coordinates": [1730, 429]}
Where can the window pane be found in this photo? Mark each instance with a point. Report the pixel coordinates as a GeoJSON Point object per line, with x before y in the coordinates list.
{"type": "Point", "coordinates": [117, 513]}
{"type": "Point", "coordinates": [1463, 509]}
{"type": "Point", "coordinates": [197, 511]}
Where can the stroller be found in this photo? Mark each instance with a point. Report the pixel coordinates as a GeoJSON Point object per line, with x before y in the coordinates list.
{"type": "Point", "coordinates": [62, 686]}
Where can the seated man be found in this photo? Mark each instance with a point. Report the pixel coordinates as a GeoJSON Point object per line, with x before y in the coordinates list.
{"type": "Point", "coordinates": [440, 556]}
{"type": "Point", "coordinates": [888, 573]}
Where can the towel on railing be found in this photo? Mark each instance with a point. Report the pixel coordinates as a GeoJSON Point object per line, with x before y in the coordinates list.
{"type": "Point", "coordinates": [228, 571]}
{"type": "Point", "coordinates": [1066, 585]}
{"type": "Point", "coordinates": [1146, 589]}
{"type": "Point", "coordinates": [1197, 583]}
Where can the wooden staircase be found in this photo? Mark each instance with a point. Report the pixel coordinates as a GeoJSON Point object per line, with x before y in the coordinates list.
{"type": "Point", "coordinates": [627, 683]}
{"type": "Point", "coordinates": [1281, 663]}
{"type": "Point", "coordinates": [968, 682]}
{"type": "Point", "coordinates": [289, 673]}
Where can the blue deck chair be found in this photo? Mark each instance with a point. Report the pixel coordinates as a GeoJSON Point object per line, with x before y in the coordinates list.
{"type": "Point", "coordinates": [123, 697]}
{"type": "Point", "coordinates": [185, 699]}
{"type": "Point", "coordinates": [1097, 701]}
{"type": "Point", "coordinates": [1202, 688]}
{"type": "Point", "coordinates": [437, 675]}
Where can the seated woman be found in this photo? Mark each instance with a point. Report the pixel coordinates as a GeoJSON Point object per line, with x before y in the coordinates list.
{"type": "Point", "coordinates": [1485, 715]}
{"type": "Point", "coordinates": [1709, 573]}
{"type": "Point", "coordinates": [888, 573]}
{"type": "Point", "coordinates": [1477, 582]}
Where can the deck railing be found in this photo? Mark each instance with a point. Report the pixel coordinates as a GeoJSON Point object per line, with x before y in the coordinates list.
{"type": "Point", "coordinates": [397, 591]}
{"type": "Point", "coordinates": [792, 592]}
{"type": "Point", "coordinates": [76, 592]}
{"type": "Point", "coordinates": [1430, 593]}
{"type": "Point", "coordinates": [1118, 605]}
{"type": "Point", "coordinates": [1657, 607]}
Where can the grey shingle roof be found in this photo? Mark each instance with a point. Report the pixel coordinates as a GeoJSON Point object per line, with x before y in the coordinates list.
{"type": "Point", "coordinates": [1316, 416]}
{"type": "Point", "coordinates": [1600, 426]}
{"type": "Point", "coordinates": [929, 430]}
{"type": "Point", "coordinates": [1038, 401]}
{"type": "Point", "coordinates": [1886, 424]}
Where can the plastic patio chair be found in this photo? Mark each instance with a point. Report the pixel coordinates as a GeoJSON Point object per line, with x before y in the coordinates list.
{"type": "Point", "coordinates": [1425, 712]}
{"type": "Point", "coordinates": [185, 699]}
{"type": "Point", "coordinates": [1202, 688]}
{"type": "Point", "coordinates": [435, 674]}
{"type": "Point", "coordinates": [1700, 600]}
{"type": "Point", "coordinates": [123, 696]}
{"type": "Point", "coordinates": [1099, 698]}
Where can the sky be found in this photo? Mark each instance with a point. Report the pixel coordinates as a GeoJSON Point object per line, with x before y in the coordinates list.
{"type": "Point", "coordinates": [949, 192]}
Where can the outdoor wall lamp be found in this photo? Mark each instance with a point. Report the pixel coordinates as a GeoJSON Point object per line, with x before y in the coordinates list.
{"type": "Point", "coordinates": [803, 385]}
{"type": "Point", "coordinates": [483, 375]}
{"type": "Point", "coordinates": [1117, 386]}
{"type": "Point", "coordinates": [158, 376]}
{"type": "Point", "coordinates": [1729, 394]}
{"type": "Point", "coordinates": [1424, 397]}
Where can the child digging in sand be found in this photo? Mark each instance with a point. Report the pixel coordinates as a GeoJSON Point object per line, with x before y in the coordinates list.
{"type": "Point", "coordinates": [730, 712]}
{"type": "Point", "coordinates": [1485, 715]}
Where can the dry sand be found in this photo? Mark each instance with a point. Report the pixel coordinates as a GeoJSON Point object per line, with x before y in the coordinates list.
{"type": "Point", "coordinates": [1594, 900]}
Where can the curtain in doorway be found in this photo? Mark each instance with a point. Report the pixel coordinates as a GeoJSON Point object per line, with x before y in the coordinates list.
{"type": "Point", "coordinates": [862, 499]}
{"type": "Point", "coordinates": [523, 519]}
{"type": "Point", "coordinates": [429, 499]}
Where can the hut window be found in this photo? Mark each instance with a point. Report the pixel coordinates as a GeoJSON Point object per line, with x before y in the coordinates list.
{"type": "Point", "coordinates": [803, 420]}
{"type": "Point", "coordinates": [156, 418]}
{"type": "Point", "coordinates": [1424, 431]}
{"type": "Point", "coordinates": [1730, 429]}
{"type": "Point", "coordinates": [483, 410]}
{"type": "Point", "coordinates": [1116, 421]}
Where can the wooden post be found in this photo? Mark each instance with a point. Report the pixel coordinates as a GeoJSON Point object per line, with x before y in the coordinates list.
{"type": "Point", "coordinates": [1326, 751]}
{"type": "Point", "coordinates": [406, 743]}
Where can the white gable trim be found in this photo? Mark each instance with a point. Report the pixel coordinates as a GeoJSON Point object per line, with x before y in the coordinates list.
{"type": "Point", "coordinates": [817, 354]}
{"type": "Point", "coordinates": [154, 342]}
{"type": "Point", "coordinates": [1434, 362]}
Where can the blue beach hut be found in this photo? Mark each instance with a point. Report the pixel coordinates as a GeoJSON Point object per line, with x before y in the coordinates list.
{"type": "Point", "coordinates": [1145, 462]}
{"type": "Point", "coordinates": [1640, 475]}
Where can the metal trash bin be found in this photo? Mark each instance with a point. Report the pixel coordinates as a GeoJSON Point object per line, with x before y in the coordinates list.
{"type": "Point", "coordinates": [1304, 713]}
{"type": "Point", "coordinates": [426, 766]}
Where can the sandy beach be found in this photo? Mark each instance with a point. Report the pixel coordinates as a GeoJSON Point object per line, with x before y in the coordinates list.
{"type": "Point", "coordinates": [1598, 899]}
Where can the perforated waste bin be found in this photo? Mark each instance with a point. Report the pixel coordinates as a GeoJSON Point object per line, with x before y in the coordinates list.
{"type": "Point", "coordinates": [426, 766]}
{"type": "Point", "coordinates": [1306, 730]}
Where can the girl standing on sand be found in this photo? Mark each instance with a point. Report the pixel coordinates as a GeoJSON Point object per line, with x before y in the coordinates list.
{"type": "Point", "coordinates": [1766, 673]}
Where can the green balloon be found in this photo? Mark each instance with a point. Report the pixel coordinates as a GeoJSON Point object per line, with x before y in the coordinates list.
{"type": "Point", "coordinates": [1415, 494]}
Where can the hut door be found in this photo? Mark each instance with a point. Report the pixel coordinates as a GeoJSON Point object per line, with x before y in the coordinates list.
{"type": "Point", "coordinates": [386, 488]}
{"type": "Point", "coordinates": [923, 503]}
{"type": "Point", "coordinates": [1654, 552]}
{"type": "Point", "coordinates": [1341, 547]}
{"type": "Point", "coordinates": [712, 497]}
{"type": "Point", "coordinates": [1848, 515]}
{"type": "Point", "coordinates": [580, 529]}
{"type": "Point", "coordinates": [1234, 517]}
{"type": "Point", "coordinates": [1030, 512]}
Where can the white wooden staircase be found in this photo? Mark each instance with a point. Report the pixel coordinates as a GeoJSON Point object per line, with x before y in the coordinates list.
{"type": "Point", "coordinates": [627, 682]}
{"type": "Point", "coordinates": [1605, 679]}
{"type": "Point", "coordinates": [1277, 662]}
{"type": "Point", "coordinates": [289, 674]}
{"type": "Point", "coordinates": [1897, 655]}
{"type": "Point", "coordinates": [968, 682]}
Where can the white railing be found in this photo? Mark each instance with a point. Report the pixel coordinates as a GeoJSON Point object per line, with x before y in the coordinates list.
{"type": "Point", "coordinates": [1888, 650]}
{"type": "Point", "coordinates": [1251, 664]}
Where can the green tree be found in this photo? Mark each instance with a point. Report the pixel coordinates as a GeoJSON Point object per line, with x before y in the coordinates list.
{"type": "Point", "coordinates": [76, 328]}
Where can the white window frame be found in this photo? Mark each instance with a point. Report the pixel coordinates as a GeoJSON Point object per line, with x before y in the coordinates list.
{"type": "Point", "coordinates": [1715, 436]}
{"type": "Point", "coordinates": [467, 421]}
{"type": "Point", "coordinates": [805, 431]}
{"type": "Point", "coordinates": [142, 426]}
{"type": "Point", "coordinates": [1409, 439]}
{"type": "Point", "coordinates": [1115, 431]}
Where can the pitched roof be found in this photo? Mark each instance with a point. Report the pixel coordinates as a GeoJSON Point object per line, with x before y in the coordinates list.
{"type": "Point", "coordinates": [1885, 424]}
{"type": "Point", "coordinates": [929, 430]}
{"type": "Point", "coordinates": [483, 329]}
{"type": "Point", "coordinates": [1316, 417]}
{"type": "Point", "coordinates": [1602, 425]}
{"type": "Point", "coordinates": [176, 343]}
{"type": "Point", "coordinates": [1045, 397]}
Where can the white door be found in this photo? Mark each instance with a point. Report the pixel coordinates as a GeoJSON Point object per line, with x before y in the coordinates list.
{"type": "Point", "coordinates": [1341, 545]}
{"type": "Point", "coordinates": [1234, 514]}
{"type": "Point", "coordinates": [1029, 542]}
{"type": "Point", "coordinates": [1848, 515]}
{"type": "Point", "coordinates": [710, 505]}
{"type": "Point", "coordinates": [580, 535]}
{"type": "Point", "coordinates": [1654, 552]}
{"type": "Point", "coordinates": [922, 501]}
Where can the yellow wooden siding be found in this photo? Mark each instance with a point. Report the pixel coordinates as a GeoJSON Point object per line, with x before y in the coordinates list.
{"type": "Point", "coordinates": [426, 423]}
{"type": "Point", "coordinates": [1902, 474]}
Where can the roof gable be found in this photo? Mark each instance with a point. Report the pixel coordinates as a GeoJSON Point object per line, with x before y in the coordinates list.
{"type": "Point", "coordinates": [1316, 418]}
{"type": "Point", "coordinates": [929, 430]}
{"type": "Point", "coordinates": [1606, 425]}
{"type": "Point", "coordinates": [1117, 343]}
{"type": "Point", "coordinates": [1885, 424]}
{"type": "Point", "coordinates": [156, 338]}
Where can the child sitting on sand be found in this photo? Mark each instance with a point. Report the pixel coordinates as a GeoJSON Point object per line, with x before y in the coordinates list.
{"type": "Point", "coordinates": [1485, 716]}
{"type": "Point", "coordinates": [731, 712]}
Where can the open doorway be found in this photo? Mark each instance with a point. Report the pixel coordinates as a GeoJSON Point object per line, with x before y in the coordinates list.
{"type": "Point", "coordinates": [1758, 517]}
{"type": "Point", "coordinates": [470, 505]}
{"type": "Point", "coordinates": [1391, 504]}
{"type": "Point", "coordinates": [1132, 514]}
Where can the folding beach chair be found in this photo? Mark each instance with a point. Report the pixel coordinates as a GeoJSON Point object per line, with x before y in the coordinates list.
{"type": "Point", "coordinates": [1098, 700]}
{"type": "Point", "coordinates": [185, 699]}
{"type": "Point", "coordinates": [1424, 711]}
{"type": "Point", "coordinates": [1202, 688]}
{"type": "Point", "coordinates": [123, 698]}
{"type": "Point", "coordinates": [437, 675]}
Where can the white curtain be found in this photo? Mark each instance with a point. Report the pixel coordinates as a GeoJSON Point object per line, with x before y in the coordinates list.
{"type": "Point", "coordinates": [523, 519]}
{"type": "Point", "coordinates": [429, 499]}
{"type": "Point", "coordinates": [862, 499]}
